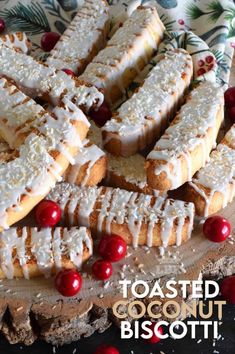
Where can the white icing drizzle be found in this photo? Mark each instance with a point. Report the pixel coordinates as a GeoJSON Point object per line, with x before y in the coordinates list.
{"type": "Point", "coordinates": [73, 242]}
{"type": "Point", "coordinates": [116, 206]}
{"type": "Point", "coordinates": [123, 51]}
{"type": "Point", "coordinates": [37, 79]}
{"type": "Point", "coordinates": [56, 248]}
{"type": "Point", "coordinates": [86, 32]}
{"type": "Point", "coordinates": [189, 130]}
{"type": "Point", "coordinates": [34, 171]}
{"type": "Point", "coordinates": [141, 119]}
{"type": "Point", "coordinates": [105, 203]}
{"type": "Point", "coordinates": [42, 250]}
{"type": "Point", "coordinates": [218, 175]}
{"type": "Point", "coordinates": [16, 40]}
{"type": "Point", "coordinates": [47, 248]}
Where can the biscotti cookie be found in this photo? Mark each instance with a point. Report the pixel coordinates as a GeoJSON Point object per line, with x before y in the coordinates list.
{"type": "Point", "coordinates": [30, 252]}
{"type": "Point", "coordinates": [186, 144]}
{"type": "Point", "coordinates": [83, 38]}
{"type": "Point", "coordinates": [144, 117]}
{"type": "Point", "coordinates": [41, 159]}
{"type": "Point", "coordinates": [39, 80]}
{"type": "Point", "coordinates": [129, 173]}
{"type": "Point", "coordinates": [140, 219]}
{"type": "Point", "coordinates": [213, 187]}
{"type": "Point", "coordinates": [18, 41]}
{"type": "Point", "coordinates": [126, 53]}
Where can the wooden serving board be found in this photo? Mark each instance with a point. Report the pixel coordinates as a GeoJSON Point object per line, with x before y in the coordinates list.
{"type": "Point", "coordinates": [36, 309]}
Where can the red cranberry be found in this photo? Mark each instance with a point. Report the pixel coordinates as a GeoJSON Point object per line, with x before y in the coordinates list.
{"type": "Point", "coordinates": [201, 62]}
{"type": "Point", "coordinates": [201, 71]}
{"type": "Point", "coordinates": [181, 22]}
{"type": "Point", "coordinates": [216, 228]}
{"type": "Point", "coordinates": [229, 97]}
{"type": "Point", "coordinates": [49, 40]}
{"type": "Point", "coordinates": [209, 59]}
{"type": "Point", "coordinates": [112, 248]}
{"type": "Point", "coordinates": [155, 339]}
{"type": "Point", "coordinates": [2, 25]}
{"type": "Point", "coordinates": [68, 282]}
{"type": "Point", "coordinates": [231, 114]}
{"type": "Point", "coordinates": [106, 349]}
{"type": "Point", "coordinates": [102, 270]}
{"type": "Point", "coordinates": [68, 72]}
{"type": "Point", "coordinates": [102, 115]}
{"type": "Point", "coordinates": [47, 213]}
{"type": "Point", "coordinates": [227, 289]}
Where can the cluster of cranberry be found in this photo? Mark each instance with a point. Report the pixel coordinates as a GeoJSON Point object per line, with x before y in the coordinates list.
{"type": "Point", "coordinates": [205, 65]}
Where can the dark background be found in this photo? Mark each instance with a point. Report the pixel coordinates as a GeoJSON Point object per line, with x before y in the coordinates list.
{"type": "Point", "coordinates": [225, 345]}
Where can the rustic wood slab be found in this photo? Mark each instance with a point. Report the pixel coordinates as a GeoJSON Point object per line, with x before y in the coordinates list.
{"type": "Point", "coordinates": [31, 309]}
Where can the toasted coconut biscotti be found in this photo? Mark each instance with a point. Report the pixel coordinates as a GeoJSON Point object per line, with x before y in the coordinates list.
{"type": "Point", "coordinates": [44, 155]}
{"type": "Point", "coordinates": [18, 41]}
{"type": "Point", "coordinates": [186, 144]}
{"type": "Point", "coordinates": [30, 252]}
{"type": "Point", "coordinates": [83, 38]}
{"type": "Point", "coordinates": [129, 173]}
{"type": "Point", "coordinates": [39, 80]}
{"type": "Point", "coordinates": [145, 116]}
{"type": "Point", "coordinates": [140, 219]}
{"type": "Point", "coordinates": [126, 53]}
{"type": "Point", "coordinates": [213, 187]}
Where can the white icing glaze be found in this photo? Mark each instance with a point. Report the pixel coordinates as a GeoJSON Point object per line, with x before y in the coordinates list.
{"type": "Point", "coordinates": [124, 50]}
{"type": "Point", "coordinates": [81, 37]}
{"type": "Point", "coordinates": [46, 248]}
{"type": "Point", "coordinates": [188, 131]}
{"type": "Point", "coordinates": [15, 41]}
{"type": "Point", "coordinates": [144, 116]}
{"type": "Point", "coordinates": [122, 207]}
{"type": "Point", "coordinates": [37, 79]}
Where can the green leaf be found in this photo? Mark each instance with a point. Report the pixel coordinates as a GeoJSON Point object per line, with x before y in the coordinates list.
{"type": "Point", "coordinates": [216, 10]}
{"type": "Point", "coordinates": [194, 12]}
{"type": "Point", "coordinates": [26, 18]}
